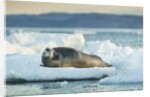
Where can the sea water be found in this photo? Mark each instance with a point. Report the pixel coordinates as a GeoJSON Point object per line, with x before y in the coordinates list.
{"type": "Point", "coordinates": [123, 48]}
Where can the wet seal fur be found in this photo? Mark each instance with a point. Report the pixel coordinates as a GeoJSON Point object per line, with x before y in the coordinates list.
{"type": "Point", "coordinates": [69, 57]}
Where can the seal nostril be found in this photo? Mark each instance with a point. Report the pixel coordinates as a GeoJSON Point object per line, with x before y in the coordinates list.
{"type": "Point", "coordinates": [47, 49]}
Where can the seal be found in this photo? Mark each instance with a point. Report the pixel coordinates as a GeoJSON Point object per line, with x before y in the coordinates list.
{"type": "Point", "coordinates": [69, 57]}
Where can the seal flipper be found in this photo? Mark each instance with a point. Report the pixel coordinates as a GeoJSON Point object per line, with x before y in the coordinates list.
{"type": "Point", "coordinates": [42, 65]}
{"type": "Point", "coordinates": [108, 65]}
{"type": "Point", "coordinates": [48, 66]}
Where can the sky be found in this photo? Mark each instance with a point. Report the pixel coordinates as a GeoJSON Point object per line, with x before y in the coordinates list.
{"type": "Point", "coordinates": [25, 7]}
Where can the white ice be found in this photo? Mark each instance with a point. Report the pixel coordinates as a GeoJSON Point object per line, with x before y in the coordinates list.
{"type": "Point", "coordinates": [28, 68]}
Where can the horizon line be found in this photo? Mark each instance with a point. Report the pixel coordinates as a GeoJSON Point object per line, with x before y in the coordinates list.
{"type": "Point", "coordinates": [72, 13]}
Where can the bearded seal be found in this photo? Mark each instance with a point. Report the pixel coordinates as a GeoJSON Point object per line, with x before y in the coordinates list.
{"type": "Point", "coordinates": [69, 57]}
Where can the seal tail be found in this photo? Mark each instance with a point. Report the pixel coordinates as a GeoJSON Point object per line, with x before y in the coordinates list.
{"type": "Point", "coordinates": [108, 65]}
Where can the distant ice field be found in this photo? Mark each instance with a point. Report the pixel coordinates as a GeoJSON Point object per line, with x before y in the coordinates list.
{"type": "Point", "coordinates": [121, 37]}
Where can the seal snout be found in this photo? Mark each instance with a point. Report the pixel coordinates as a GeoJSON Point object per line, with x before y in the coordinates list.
{"type": "Point", "coordinates": [46, 52]}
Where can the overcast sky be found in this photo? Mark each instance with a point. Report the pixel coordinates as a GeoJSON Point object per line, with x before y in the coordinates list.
{"type": "Point", "coordinates": [24, 7]}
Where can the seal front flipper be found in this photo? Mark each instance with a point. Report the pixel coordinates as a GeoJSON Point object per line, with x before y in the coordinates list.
{"type": "Point", "coordinates": [53, 66]}
{"type": "Point", "coordinates": [42, 65]}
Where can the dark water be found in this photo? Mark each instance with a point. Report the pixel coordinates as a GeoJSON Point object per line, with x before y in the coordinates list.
{"type": "Point", "coordinates": [63, 87]}
{"type": "Point", "coordinates": [132, 40]}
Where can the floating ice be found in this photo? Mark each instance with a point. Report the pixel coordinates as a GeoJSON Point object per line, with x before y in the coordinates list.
{"type": "Point", "coordinates": [34, 43]}
{"type": "Point", "coordinates": [24, 59]}
{"type": "Point", "coordinates": [63, 84]}
{"type": "Point", "coordinates": [28, 68]}
{"type": "Point", "coordinates": [129, 69]}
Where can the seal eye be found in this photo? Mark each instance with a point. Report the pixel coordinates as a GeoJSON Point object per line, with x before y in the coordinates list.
{"type": "Point", "coordinates": [47, 49]}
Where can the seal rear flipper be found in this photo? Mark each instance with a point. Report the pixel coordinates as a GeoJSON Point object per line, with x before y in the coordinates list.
{"type": "Point", "coordinates": [108, 65]}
